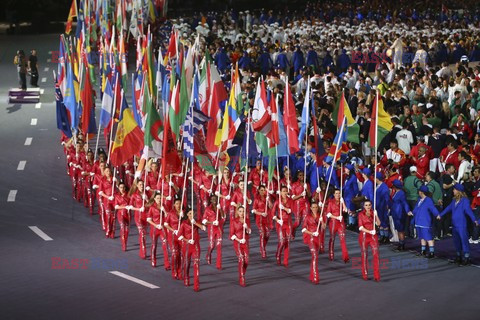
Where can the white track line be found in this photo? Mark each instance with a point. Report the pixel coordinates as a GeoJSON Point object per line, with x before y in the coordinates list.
{"type": "Point", "coordinates": [46, 69]}
{"type": "Point", "coordinates": [133, 279]}
{"type": "Point", "coordinates": [11, 196]}
{"type": "Point", "coordinates": [21, 165]}
{"type": "Point", "coordinates": [33, 122]}
{"type": "Point", "coordinates": [44, 79]}
{"type": "Point", "coordinates": [40, 233]}
{"type": "Point", "coordinates": [38, 105]}
{"type": "Point", "coordinates": [28, 141]}
{"type": "Point", "coordinates": [41, 91]}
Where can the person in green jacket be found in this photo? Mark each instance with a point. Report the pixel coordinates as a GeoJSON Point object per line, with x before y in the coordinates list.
{"type": "Point", "coordinates": [437, 195]}
{"type": "Point", "coordinates": [411, 184]}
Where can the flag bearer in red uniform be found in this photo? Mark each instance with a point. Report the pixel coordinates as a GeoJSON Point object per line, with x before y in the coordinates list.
{"type": "Point", "coordinates": [368, 238]}
{"type": "Point", "coordinates": [336, 225]}
{"type": "Point", "coordinates": [240, 235]}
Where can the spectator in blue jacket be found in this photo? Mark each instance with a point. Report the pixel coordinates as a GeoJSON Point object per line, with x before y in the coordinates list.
{"type": "Point", "coordinates": [398, 210]}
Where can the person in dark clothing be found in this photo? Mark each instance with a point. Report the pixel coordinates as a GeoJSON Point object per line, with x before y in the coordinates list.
{"type": "Point", "coordinates": [33, 68]}
{"type": "Point", "coordinates": [21, 64]}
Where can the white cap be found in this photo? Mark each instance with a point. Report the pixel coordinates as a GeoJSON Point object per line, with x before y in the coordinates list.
{"type": "Point", "coordinates": [413, 169]}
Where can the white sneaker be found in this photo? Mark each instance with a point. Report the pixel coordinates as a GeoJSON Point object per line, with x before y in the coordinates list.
{"type": "Point", "coordinates": [470, 241]}
{"type": "Point", "coordinates": [476, 241]}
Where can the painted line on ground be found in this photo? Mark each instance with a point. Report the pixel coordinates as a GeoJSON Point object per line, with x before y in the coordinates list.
{"type": "Point", "coordinates": [42, 91]}
{"type": "Point", "coordinates": [49, 60]}
{"type": "Point", "coordinates": [133, 279]}
{"type": "Point", "coordinates": [40, 233]}
{"type": "Point", "coordinates": [38, 105]}
{"type": "Point", "coordinates": [11, 195]}
{"type": "Point", "coordinates": [46, 69]}
{"type": "Point", "coordinates": [44, 79]}
{"type": "Point", "coordinates": [21, 165]}
{"type": "Point", "coordinates": [28, 141]}
{"type": "Point", "coordinates": [33, 122]}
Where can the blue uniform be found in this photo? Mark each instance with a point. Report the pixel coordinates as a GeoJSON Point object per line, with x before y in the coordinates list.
{"type": "Point", "coordinates": [265, 62]}
{"type": "Point", "coordinates": [382, 200]}
{"type": "Point", "coordinates": [298, 60]}
{"type": "Point", "coordinates": [312, 59]}
{"type": "Point", "coordinates": [350, 190]}
{"type": "Point", "coordinates": [282, 61]}
{"type": "Point", "coordinates": [367, 190]}
{"type": "Point", "coordinates": [245, 62]}
{"type": "Point", "coordinates": [399, 209]}
{"type": "Point", "coordinates": [423, 213]}
{"type": "Point", "coordinates": [312, 171]}
{"type": "Point", "coordinates": [222, 60]}
{"type": "Point", "coordinates": [333, 180]}
{"type": "Point", "coordinates": [460, 211]}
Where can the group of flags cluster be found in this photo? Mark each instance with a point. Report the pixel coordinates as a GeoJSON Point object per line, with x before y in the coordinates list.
{"type": "Point", "coordinates": [178, 99]}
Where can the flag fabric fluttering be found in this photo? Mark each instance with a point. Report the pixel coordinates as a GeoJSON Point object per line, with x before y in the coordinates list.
{"type": "Point", "coordinates": [305, 116]}
{"type": "Point", "coordinates": [290, 120]}
{"type": "Point", "coordinates": [71, 14]}
{"type": "Point", "coordinates": [380, 125]}
{"type": "Point", "coordinates": [128, 139]}
{"type": "Point", "coordinates": [107, 103]}
{"type": "Point", "coordinates": [63, 123]}
{"type": "Point", "coordinates": [342, 110]}
{"type": "Point", "coordinates": [261, 118]}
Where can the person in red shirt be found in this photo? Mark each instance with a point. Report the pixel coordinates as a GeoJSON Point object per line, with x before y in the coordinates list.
{"type": "Point", "coordinates": [284, 205]}
{"type": "Point", "coordinates": [334, 210]}
{"type": "Point", "coordinates": [224, 188]}
{"type": "Point", "coordinates": [312, 225]}
{"type": "Point", "coordinates": [422, 163]}
{"type": "Point", "coordinates": [188, 235]}
{"type": "Point", "coordinates": [214, 218]}
{"type": "Point", "coordinates": [107, 190]}
{"type": "Point", "coordinates": [87, 175]}
{"type": "Point", "coordinates": [152, 179]}
{"type": "Point", "coordinates": [261, 209]}
{"type": "Point", "coordinates": [237, 199]}
{"type": "Point", "coordinates": [392, 176]}
{"type": "Point", "coordinates": [368, 237]}
{"type": "Point", "coordinates": [257, 177]}
{"type": "Point", "coordinates": [156, 217]}
{"type": "Point", "coordinates": [122, 207]}
{"type": "Point", "coordinates": [76, 157]}
{"type": "Point", "coordinates": [449, 155]}
{"type": "Point", "coordinates": [240, 235]}
{"type": "Point", "coordinates": [137, 204]}
{"type": "Point", "coordinates": [300, 191]}
{"type": "Point", "coordinates": [172, 224]}
{"type": "Point", "coordinates": [97, 178]}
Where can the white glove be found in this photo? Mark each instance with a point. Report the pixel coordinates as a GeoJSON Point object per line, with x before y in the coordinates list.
{"type": "Point", "coordinates": [170, 184]}
{"type": "Point", "coordinates": [116, 207]}
{"type": "Point", "coordinates": [101, 193]}
{"type": "Point", "coordinates": [217, 193]}
{"type": "Point", "coordinates": [180, 238]}
{"type": "Point", "coordinates": [95, 187]}
{"type": "Point", "coordinates": [111, 198]}
{"type": "Point", "coordinates": [159, 227]}
{"type": "Point", "coordinates": [218, 206]}
{"type": "Point", "coordinates": [181, 174]}
{"type": "Point", "coordinates": [280, 222]}
{"type": "Point", "coordinates": [162, 208]}
{"type": "Point", "coordinates": [340, 218]}
{"type": "Point", "coordinates": [147, 188]}
{"type": "Point", "coordinates": [318, 190]}
{"type": "Point", "coordinates": [304, 229]}
{"type": "Point", "coordinates": [204, 221]}
{"type": "Point", "coordinates": [278, 192]}
{"type": "Point", "coordinates": [202, 186]}
{"type": "Point", "coordinates": [129, 207]}
{"type": "Point", "coordinates": [228, 197]}
{"type": "Point", "coordinates": [193, 221]}
{"type": "Point", "coordinates": [215, 223]}
{"type": "Point", "coordinates": [137, 174]}
{"type": "Point", "coordinates": [191, 241]}
{"type": "Point", "coordinates": [249, 201]}
{"type": "Point", "coordinates": [249, 182]}
{"type": "Point", "coordinates": [127, 171]}
{"type": "Point", "coordinates": [168, 198]}
{"type": "Point", "coordinates": [341, 200]}
{"type": "Point", "coordinates": [83, 173]}
{"type": "Point", "coordinates": [114, 179]}
{"type": "Point", "coordinates": [315, 234]}
{"type": "Point", "coordinates": [289, 186]}
{"type": "Point", "coordinates": [373, 232]}
{"type": "Point", "coordinates": [264, 214]}
{"type": "Point", "coordinates": [245, 226]}
{"type": "Point", "coordinates": [242, 241]}
{"type": "Point", "coordinates": [209, 191]}
{"type": "Point", "coordinates": [234, 237]}
{"type": "Point", "coordinates": [320, 204]}
{"type": "Point", "coordinates": [92, 174]}
{"type": "Point", "coordinates": [271, 192]}
{"type": "Point", "coordinates": [305, 186]}
{"type": "Point", "coordinates": [304, 194]}
{"type": "Point", "coordinates": [175, 232]}
{"type": "Point", "coordinates": [329, 215]}
{"type": "Point", "coordinates": [142, 209]}
{"type": "Point", "coordinates": [144, 197]}
{"type": "Point", "coordinates": [281, 207]}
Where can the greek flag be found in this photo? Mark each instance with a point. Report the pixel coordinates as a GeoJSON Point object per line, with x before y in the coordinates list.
{"type": "Point", "coordinates": [193, 124]}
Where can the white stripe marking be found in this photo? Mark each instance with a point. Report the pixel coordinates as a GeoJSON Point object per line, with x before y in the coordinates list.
{"type": "Point", "coordinates": [44, 79]}
{"type": "Point", "coordinates": [28, 141]}
{"type": "Point", "coordinates": [46, 69]}
{"type": "Point", "coordinates": [21, 165]}
{"type": "Point", "coordinates": [40, 233]}
{"type": "Point", "coordinates": [33, 122]}
{"type": "Point", "coordinates": [11, 196]}
{"type": "Point", "coordinates": [133, 279]}
{"type": "Point", "coordinates": [38, 105]}
{"type": "Point", "coordinates": [42, 91]}
{"type": "Point", "coordinates": [49, 60]}
{"type": "Point", "coordinates": [49, 52]}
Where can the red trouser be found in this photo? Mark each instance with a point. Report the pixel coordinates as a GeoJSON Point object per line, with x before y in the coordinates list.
{"type": "Point", "coordinates": [365, 240]}
{"type": "Point", "coordinates": [74, 173]}
{"type": "Point", "coordinates": [264, 231]}
{"type": "Point", "coordinates": [337, 227]}
{"type": "Point", "coordinates": [123, 217]}
{"type": "Point", "coordinates": [142, 232]}
{"type": "Point", "coordinates": [176, 257]}
{"type": "Point", "coordinates": [155, 234]}
{"type": "Point", "coordinates": [88, 199]}
{"type": "Point", "coordinates": [242, 252]}
{"type": "Point", "coordinates": [109, 218]}
{"type": "Point", "coordinates": [314, 246]}
{"type": "Point", "coordinates": [214, 240]}
{"type": "Point", "coordinates": [284, 234]}
{"type": "Point", "coordinates": [299, 213]}
{"type": "Point", "coordinates": [190, 251]}
{"type": "Point", "coordinates": [101, 212]}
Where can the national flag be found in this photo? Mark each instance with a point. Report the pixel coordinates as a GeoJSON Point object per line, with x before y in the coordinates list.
{"type": "Point", "coordinates": [274, 134]}
{"type": "Point", "coordinates": [153, 122]}
{"type": "Point", "coordinates": [261, 118]}
{"type": "Point", "coordinates": [62, 72]}
{"type": "Point", "coordinates": [62, 117]}
{"type": "Point", "coordinates": [170, 160]}
{"type": "Point", "coordinates": [71, 14]}
{"type": "Point", "coordinates": [381, 123]}
{"type": "Point", "coordinates": [128, 139]}
{"type": "Point", "coordinates": [107, 103]}
{"type": "Point", "coordinates": [70, 99]}
{"type": "Point", "coordinates": [290, 120]}
{"type": "Point", "coordinates": [88, 124]}
{"type": "Point", "coordinates": [172, 45]}
{"type": "Point", "coordinates": [305, 116]}
{"type": "Point", "coordinates": [188, 146]}
{"type": "Point", "coordinates": [316, 137]}
{"type": "Point", "coordinates": [342, 110]}
{"type": "Point", "coordinates": [339, 147]}
{"type": "Point", "coordinates": [123, 60]}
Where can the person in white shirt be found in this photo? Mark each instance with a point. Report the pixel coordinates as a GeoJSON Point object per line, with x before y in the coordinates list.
{"type": "Point", "coordinates": [405, 138]}
{"type": "Point", "coordinates": [465, 166]}
{"type": "Point", "coordinates": [397, 47]}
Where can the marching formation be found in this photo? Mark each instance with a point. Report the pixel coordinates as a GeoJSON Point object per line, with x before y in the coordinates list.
{"type": "Point", "coordinates": [211, 142]}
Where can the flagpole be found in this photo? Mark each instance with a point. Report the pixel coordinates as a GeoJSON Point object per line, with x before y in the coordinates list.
{"type": "Point", "coordinates": [329, 178]}
{"type": "Point", "coordinates": [98, 139]}
{"type": "Point", "coordinates": [183, 197]}
{"type": "Point", "coordinates": [192, 196]}
{"type": "Point", "coordinates": [375, 168]}
{"type": "Point", "coordinates": [246, 176]}
{"type": "Point", "coordinates": [113, 109]}
{"type": "Point", "coordinates": [306, 142]}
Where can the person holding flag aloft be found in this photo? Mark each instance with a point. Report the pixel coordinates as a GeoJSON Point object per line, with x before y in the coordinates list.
{"type": "Point", "coordinates": [284, 205]}
{"type": "Point", "coordinates": [300, 192]}
{"type": "Point", "coordinates": [122, 207]}
{"type": "Point", "coordinates": [312, 238]}
{"type": "Point", "coordinates": [350, 191]}
{"type": "Point", "coordinates": [155, 217]}
{"type": "Point", "coordinates": [398, 210]}
{"type": "Point", "coordinates": [107, 190]}
{"type": "Point", "coordinates": [261, 209]}
{"type": "Point", "coordinates": [172, 224]}
{"type": "Point", "coordinates": [138, 200]}
{"type": "Point", "coordinates": [335, 208]}
{"type": "Point", "coordinates": [240, 230]}
{"type": "Point", "coordinates": [367, 219]}
{"type": "Point", "coordinates": [382, 199]}
{"type": "Point", "coordinates": [237, 199]}
{"type": "Point", "coordinates": [214, 218]}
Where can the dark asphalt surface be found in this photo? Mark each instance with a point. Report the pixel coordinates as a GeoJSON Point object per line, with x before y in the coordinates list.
{"type": "Point", "coordinates": [30, 288]}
